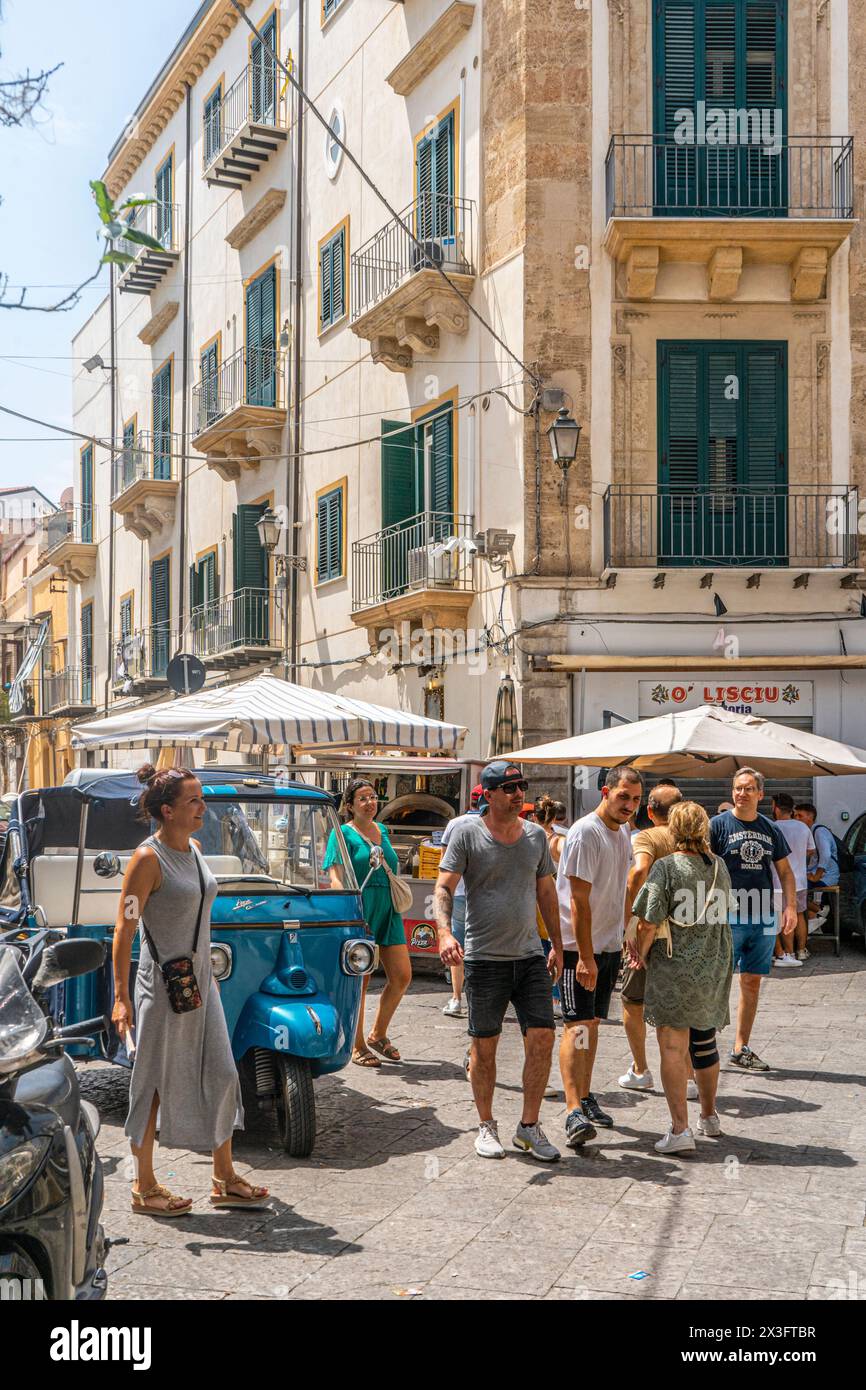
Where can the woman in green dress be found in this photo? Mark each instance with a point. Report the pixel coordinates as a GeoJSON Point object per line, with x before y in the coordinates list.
{"type": "Point", "coordinates": [360, 832]}
{"type": "Point", "coordinates": [686, 943]}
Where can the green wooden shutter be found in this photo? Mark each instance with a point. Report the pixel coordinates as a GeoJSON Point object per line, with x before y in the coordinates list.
{"type": "Point", "coordinates": [251, 600]}
{"type": "Point", "coordinates": [765, 508]}
{"type": "Point", "coordinates": [435, 181]}
{"type": "Point", "coordinates": [161, 404]}
{"type": "Point", "coordinates": [87, 495]}
{"type": "Point", "coordinates": [402, 499]}
{"type": "Point", "coordinates": [87, 654]}
{"type": "Point", "coordinates": [261, 366]}
{"type": "Point", "coordinates": [332, 280]}
{"type": "Point", "coordinates": [210, 383]}
{"type": "Point", "coordinates": [213, 125]}
{"type": "Point", "coordinates": [263, 98]}
{"type": "Point", "coordinates": [128, 457]}
{"type": "Point", "coordinates": [441, 481]}
{"type": "Point", "coordinates": [164, 209]}
{"type": "Point", "coordinates": [675, 92]}
{"type": "Point", "coordinates": [160, 615]}
{"type": "Point", "coordinates": [326, 316]}
{"type": "Point", "coordinates": [329, 535]}
{"type": "Point", "coordinates": [763, 88]}
{"type": "Point", "coordinates": [125, 619]}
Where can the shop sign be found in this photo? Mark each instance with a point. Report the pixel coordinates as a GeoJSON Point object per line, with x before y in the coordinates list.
{"type": "Point", "coordinates": [762, 695]}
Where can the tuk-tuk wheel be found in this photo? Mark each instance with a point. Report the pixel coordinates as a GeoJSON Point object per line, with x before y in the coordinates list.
{"type": "Point", "coordinates": [295, 1105]}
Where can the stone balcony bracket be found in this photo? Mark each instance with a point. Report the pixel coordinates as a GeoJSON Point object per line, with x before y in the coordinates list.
{"type": "Point", "coordinates": [241, 439]}
{"type": "Point", "coordinates": [409, 319]}
{"type": "Point", "coordinates": [73, 560]}
{"type": "Point", "coordinates": [427, 609]}
{"type": "Point", "coordinates": [147, 505]}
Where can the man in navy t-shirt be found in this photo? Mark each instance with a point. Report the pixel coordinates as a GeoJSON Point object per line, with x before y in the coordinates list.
{"type": "Point", "coordinates": [750, 845]}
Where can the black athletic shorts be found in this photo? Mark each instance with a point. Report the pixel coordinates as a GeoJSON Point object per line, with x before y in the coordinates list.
{"type": "Point", "coordinates": [579, 1005]}
{"type": "Point", "coordinates": [491, 985]}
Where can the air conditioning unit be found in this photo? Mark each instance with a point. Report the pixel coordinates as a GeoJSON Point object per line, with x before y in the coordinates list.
{"type": "Point", "coordinates": [443, 252]}
{"type": "Point", "coordinates": [428, 571]}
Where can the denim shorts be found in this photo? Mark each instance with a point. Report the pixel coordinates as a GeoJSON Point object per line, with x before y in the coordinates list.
{"type": "Point", "coordinates": [753, 947]}
{"type": "Point", "coordinates": [491, 985]}
{"type": "Point", "coordinates": [458, 919]}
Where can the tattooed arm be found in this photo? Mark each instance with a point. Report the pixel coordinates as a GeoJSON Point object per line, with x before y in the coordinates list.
{"type": "Point", "coordinates": [450, 950]}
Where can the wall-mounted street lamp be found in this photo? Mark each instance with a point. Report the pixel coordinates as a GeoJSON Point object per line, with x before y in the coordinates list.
{"type": "Point", "coordinates": [564, 435]}
{"type": "Point", "coordinates": [270, 528]}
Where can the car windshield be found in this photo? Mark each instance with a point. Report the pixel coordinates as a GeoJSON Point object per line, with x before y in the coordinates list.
{"type": "Point", "coordinates": [282, 841]}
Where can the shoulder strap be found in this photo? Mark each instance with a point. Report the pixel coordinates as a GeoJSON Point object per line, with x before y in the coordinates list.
{"type": "Point", "coordinates": [197, 858]}
{"type": "Point", "coordinates": [698, 920]}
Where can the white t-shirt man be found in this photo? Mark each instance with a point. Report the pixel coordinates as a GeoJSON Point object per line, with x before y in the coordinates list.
{"type": "Point", "coordinates": [603, 858]}
{"type": "Point", "coordinates": [800, 842]}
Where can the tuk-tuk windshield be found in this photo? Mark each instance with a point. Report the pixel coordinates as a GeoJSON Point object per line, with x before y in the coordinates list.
{"type": "Point", "coordinates": [283, 841]}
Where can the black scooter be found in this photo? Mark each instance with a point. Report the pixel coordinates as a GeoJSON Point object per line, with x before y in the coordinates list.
{"type": "Point", "coordinates": [52, 1245]}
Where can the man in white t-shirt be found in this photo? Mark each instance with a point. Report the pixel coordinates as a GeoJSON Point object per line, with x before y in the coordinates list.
{"type": "Point", "coordinates": [801, 843]}
{"type": "Point", "coordinates": [591, 885]}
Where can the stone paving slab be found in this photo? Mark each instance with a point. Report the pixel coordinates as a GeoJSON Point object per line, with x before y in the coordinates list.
{"type": "Point", "coordinates": [395, 1205]}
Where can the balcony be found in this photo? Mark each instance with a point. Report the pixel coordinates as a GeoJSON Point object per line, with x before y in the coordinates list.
{"type": "Point", "coordinates": [69, 692]}
{"type": "Point", "coordinates": [28, 708]}
{"type": "Point", "coordinates": [143, 485]}
{"type": "Point", "coordinates": [236, 630]}
{"type": "Point", "coordinates": [141, 660]}
{"type": "Point", "coordinates": [239, 411]}
{"type": "Point", "coordinates": [796, 528]}
{"type": "Point", "coordinates": [419, 570]}
{"type": "Point", "coordinates": [399, 299]}
{"type": "Point", "coordinates": [727, 207]}
{"type": "Point", "coordinates": [248, 126]}
{"type": "Point", "coordinates": [162, 222]}
{"type": "Point", "coordinates": [67, 542]}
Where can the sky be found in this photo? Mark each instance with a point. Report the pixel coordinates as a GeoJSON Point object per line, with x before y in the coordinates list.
{"type": "Point", "coordinates": [48, 222]}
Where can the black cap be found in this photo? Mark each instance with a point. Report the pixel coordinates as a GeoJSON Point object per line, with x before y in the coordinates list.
{"type": "Point", "coordinates": [500, 774]}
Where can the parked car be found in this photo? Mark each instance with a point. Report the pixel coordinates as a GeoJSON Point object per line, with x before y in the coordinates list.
{"type": "Point", "coordinates": [852, 885]}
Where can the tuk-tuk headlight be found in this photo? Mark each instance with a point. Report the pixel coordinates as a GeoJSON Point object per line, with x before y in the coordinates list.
{"type": "Point", "coordinates": [221, 961]}
{"type": "Point", "coordinates": [18, 1166]}
{"type": "Point", "coordinates": [359, 957]}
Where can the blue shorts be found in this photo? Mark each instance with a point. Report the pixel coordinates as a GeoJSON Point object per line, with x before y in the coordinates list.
{"type": "Point", "coordinates": [458, 919]}
{"type": "Point", "coordinates": [753, 947]}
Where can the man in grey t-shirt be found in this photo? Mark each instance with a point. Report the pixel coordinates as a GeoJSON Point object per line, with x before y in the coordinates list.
{"type": "Point", "coordinates": [507, 871]}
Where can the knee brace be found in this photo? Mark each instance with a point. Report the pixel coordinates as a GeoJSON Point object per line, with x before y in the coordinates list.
{"type": "Point", "coordinates": [703, 1048]}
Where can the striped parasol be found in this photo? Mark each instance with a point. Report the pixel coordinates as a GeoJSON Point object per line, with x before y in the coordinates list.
{"type": "Point", "coordinates": [503, 734]}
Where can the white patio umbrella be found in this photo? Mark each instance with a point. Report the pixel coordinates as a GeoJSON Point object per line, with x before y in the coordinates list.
{"type": "Point", "coordinates": [709, 741]}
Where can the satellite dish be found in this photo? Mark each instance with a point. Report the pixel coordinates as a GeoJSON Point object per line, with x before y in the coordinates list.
{"type": "Point", "coordinates": [185, 674]}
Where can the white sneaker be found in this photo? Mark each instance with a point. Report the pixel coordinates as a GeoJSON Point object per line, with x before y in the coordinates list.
{"type": "Point", "coordinates": [803, 955]}
{"type": "Point", "coordinates": [637, 1080]}
{"type": "Point", "coordinates": [710, 1125]}
{"type": "Point", "coordinates": [692, 1090]}
{"type": "Point", "coordinates": [672, 1143]}
{"type": "Point", "coordinates": [786, 960]}
{"type": "Point", "coordinates": [454, 1009]}
{"type": "Point", "coordinates": [487, 1143]}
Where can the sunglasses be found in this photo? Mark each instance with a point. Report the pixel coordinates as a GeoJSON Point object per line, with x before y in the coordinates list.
{"type": "Point", "coordinates": [513, 787]}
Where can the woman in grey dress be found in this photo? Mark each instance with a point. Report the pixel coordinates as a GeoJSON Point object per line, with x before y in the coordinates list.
{"type": "Point", "coordinates": [184, 1078]}
{"type": "Point", "coordinates": [686, 943]}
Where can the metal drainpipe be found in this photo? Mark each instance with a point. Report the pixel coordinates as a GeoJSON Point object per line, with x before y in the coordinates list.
{"type": "Point", "coordinates": [293, 478]}
{"type": "Point", "coordinates": [112, 374]}
{"type": "Point", "coordinates": [536, 423]}
{"type": "Point", "coordinates": [182, 585]}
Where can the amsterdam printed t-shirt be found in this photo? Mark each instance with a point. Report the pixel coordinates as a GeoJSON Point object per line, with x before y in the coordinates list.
{"type": "Point", "coordinates": [749, 849]}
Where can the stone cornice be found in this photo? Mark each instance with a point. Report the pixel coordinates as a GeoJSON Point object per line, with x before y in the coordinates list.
{"type": "Point", "coordinates": [431, 48]}
{"type": "Point", "coordinates": [258, 216]}
{"type": "Point", "coordinates": [145, 128]}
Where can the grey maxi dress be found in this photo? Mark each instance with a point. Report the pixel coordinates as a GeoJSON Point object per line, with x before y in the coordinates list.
{"type": "Point", "coordinates": [186, 1058]}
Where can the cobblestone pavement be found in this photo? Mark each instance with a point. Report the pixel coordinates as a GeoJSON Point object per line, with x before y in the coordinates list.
{"type": "Point", "coordinates": [395, 1203]}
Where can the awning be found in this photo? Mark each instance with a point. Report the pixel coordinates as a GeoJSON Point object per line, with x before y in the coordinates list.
{"type": "Point", "coordinates": [267, 710]}
{"type": "Point", "coordinates": [31, 656]}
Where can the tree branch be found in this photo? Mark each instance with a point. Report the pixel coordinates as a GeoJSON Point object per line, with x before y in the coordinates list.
{"type": "Point", "coordinates": [61, 307]}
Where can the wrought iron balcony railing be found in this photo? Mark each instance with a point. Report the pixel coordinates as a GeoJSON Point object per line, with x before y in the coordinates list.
{"type": "Point", "coordinates": [252, 376]}
{"type": "Point", "coordinates": [158, 219]}
{"type": "Point", "coordinates": [445, 227]}
{"type": "Point", "coordinates": [70, 688]}
{"type": "Point", "coordinates": [803, 176]}
{"type": "Point", "coordinates": [68, 524]}
{"type": "Point", "coordinates": [429, 551]}
{"type": "Point", "coordinates": [798, 525]}
{"type": "Point", "coordinates": [143, 655]}
{"type": "Point", "coordinates": [239, 619]}
{"type": "Point", "coordinates": [151, 456]}
{"type": "Point", "coordinates": [252, 99]}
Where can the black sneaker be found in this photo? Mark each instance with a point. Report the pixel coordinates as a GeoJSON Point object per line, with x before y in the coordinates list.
{"type": "Point", "coordinates": [577, 1129]}
{"type": "Point", "coordinates": [593, 1111]}
{"type": "Point", "coordinates": [747, 1060]}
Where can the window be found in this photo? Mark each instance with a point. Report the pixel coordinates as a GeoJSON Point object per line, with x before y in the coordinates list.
{"type": "Point", "coordinates": [263, 73]}
{"type": "Point", "coordinates": [250, 616]}
{"type": "Point", "coordinates": [435, 180]}
{"type": "Point", "coordinates": [160, 615]}
{"type": "Point", "coordinates": [333, 152]}
{"type": "Point", "coordinates": [87, 653]}
{"type": "Point", "coordinates": [87, 494]}
{"type": "Point", "coordinates": [161, 408]}
{"type": "Point", "coordinates": [261, 316]}
{"type": "Point", "coordinates": [333, 258]}
{"type": "Point", "coordinates": [125, 619]}
{"type": "Point", "coordinates": [127, 461]}
{"type": "Point", "coordinates": [164, 203]}
{"type": "Point", "coordinates": [210, 383]}
{"type": "Point", "coordinates": [723, 474]}
{"type": "Point", "coordinates": [417, 487]}
{"type": "Point", "coordinates": [723, 63]}
{"type": "Point", "coordinates": [203, 581]}
{"type": "Point", "coordinates": [213, 124]}
{"type": "Point", "coordinates": [329, 7]}
{"type": "Point", "coordinates": [330, 523]}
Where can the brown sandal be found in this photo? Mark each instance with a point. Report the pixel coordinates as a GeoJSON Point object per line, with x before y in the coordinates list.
{"type": "Point", "coordinates": [174, 1205]}
{"type": "Point", "coordinates": [365, 1059]}
{"type": "Point", "coordinates": [385, 1048]}
{"type": "Point", "coordinates": [223, 1198]}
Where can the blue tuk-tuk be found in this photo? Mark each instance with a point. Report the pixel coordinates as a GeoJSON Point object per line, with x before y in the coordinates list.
{"type": "Point", "coordinates": [289, 949]}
